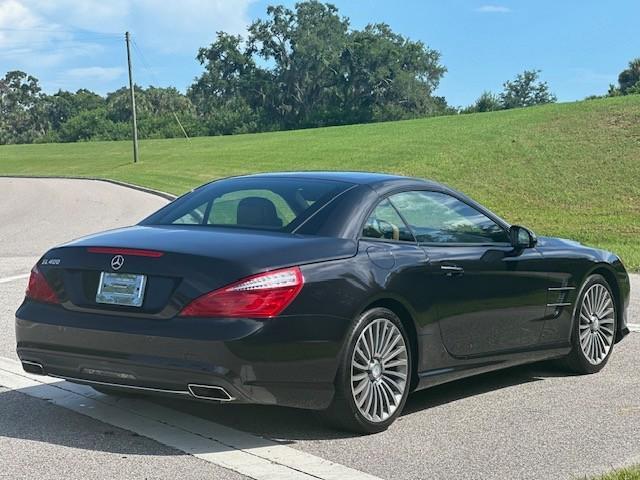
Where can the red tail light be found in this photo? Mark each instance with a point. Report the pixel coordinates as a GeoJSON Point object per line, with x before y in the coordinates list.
{"type": "Point", "coordinates": [39, 289]}
{"type": "Point", "coordinates": [260, 296]}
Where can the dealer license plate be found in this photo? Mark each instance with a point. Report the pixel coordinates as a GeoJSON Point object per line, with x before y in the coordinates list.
{"type": "Point", "coordinates": [121, 289]}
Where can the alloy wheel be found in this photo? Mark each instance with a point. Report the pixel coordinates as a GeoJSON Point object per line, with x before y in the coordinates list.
{"type": "Point", "coordinates": [379, 370]}
{"type": "Point", "coordinates": [597, 323]}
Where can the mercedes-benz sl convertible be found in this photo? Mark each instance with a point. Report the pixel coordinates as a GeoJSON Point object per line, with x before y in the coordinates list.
{"type": "Point", "coordinates": [337, 292]}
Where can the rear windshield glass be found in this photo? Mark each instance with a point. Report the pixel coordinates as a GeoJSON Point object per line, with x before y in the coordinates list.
{"type": "Point", "coordinates": [266, 203]}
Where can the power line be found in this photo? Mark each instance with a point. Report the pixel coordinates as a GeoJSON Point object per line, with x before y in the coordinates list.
{"type": "Point", "coordinates": [60, 43]}
{"type": "Point", "coordinates": [27, 50]}
{"type": "Point", "coordinates": [145, 64]}
{"type": "Point", "coordinates": [74, 38]}
{"type": "Point", "coordinates": [54, 45]}
{"type": "Point", "coordinates": [60, 30]}
{"type": "Point", "coordinates": [147, 67]}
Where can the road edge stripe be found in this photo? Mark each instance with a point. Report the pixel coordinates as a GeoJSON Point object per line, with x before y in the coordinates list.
{"type": "Point", "coordinates": [133, 186]}
{"type": "Point", "coordinates": [13, 278]}
{"type": "Point", "coordinates": [244, 453]}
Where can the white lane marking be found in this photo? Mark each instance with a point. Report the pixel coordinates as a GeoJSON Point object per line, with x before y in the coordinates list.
{"type": "Point", "coordinates": [14, 278]}
{"type": "Point", "coordinates": [244, 453]}
{"type": "Point", "coordinates": [634, 327]}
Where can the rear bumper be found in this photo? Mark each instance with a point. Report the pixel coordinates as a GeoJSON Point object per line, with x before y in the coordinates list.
{"type": "Point", "coordinates": [289, 360]}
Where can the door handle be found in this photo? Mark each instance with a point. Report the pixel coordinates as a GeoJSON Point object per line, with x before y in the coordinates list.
{"type": "Point", "coordinates": [452, 269]}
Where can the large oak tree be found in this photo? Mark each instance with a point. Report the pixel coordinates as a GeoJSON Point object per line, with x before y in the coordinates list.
{"type": "Point", "coordinates": [305, 67]}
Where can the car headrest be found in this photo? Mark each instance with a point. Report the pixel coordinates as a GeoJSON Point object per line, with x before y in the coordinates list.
{"type": "Point", "coordinates": [258, 212]}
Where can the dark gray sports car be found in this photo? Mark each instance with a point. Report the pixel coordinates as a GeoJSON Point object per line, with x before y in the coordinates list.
{"type": "Point", "coordinates": [338, 292]}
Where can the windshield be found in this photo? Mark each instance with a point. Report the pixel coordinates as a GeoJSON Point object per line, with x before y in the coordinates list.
{"type": "Point", "coordinates": [265, 203]}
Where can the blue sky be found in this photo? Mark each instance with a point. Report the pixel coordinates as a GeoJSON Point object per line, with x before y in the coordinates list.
{"type": "Point", "coordinates": [580, 46]}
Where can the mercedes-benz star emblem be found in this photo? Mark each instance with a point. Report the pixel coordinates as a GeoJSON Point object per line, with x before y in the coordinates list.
{"type": "Point", "coordinates": [117, 262]}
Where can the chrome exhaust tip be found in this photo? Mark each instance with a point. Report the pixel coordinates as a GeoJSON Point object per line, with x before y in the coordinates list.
{"type": "Point", "coordinates": [210, 392]}
{"type": "Point", "coordinates": [32, 367]}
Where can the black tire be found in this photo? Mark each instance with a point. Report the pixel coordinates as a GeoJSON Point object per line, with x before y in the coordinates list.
{"type": "Point", "coordinates": [343, 412]}
{"type": "Point", "coordinates": [577, 360]}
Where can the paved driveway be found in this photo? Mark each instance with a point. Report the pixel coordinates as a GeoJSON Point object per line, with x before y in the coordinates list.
{"type": "Point", "coordinates": [526, 422]}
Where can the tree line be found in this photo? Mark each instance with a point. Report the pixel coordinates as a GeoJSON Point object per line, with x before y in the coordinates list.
{"type": "Point", "coordinates": [29, 116]}
{"type": "Point", "coordinates": [297, 68]}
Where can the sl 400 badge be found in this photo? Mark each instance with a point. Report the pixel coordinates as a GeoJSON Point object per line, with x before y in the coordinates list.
{"type": "Point", "coordinates": [50, 261]}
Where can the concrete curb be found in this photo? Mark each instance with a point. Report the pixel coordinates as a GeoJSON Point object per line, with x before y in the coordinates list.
{"type": "Point", "coordinates": [159, 193]}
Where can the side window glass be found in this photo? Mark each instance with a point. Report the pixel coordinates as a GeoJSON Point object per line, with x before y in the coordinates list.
{"type": "Point", "coordinates": [437, 217]}
{"type": "Point", "coordinates": [384, 222]}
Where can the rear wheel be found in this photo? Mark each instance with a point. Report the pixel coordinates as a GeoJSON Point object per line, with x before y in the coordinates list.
{"type": "Point", "coordinates": [594, 327]}
{"type": "Point", "coordinates": [374, 375]}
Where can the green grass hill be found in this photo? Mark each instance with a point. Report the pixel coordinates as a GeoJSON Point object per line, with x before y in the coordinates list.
{"type": "Point", "coordinates": [569, 170]}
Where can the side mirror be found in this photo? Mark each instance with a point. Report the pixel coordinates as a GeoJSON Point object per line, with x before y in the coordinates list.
{"type": "Point", "coordinates": [522, 237]}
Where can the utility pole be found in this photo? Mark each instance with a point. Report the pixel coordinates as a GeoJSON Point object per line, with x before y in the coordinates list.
{"type": "Point", "coordinates": [127, 38]}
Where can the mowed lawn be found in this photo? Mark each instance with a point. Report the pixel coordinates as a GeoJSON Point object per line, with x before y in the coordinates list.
{"type": "Point", "coordinates": [569, 170]}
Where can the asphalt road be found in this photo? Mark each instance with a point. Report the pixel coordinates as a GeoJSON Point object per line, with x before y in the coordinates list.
{"type": "Point", "coordinates": [526, 422]}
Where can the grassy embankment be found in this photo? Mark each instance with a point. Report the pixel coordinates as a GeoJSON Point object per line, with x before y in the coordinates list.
{"type": "Point", "coordinates": [570, 170]}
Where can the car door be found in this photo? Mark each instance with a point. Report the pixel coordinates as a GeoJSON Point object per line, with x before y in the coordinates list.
{"type": "Point", "coordinates": [490, 297]}
{"type": "Point", "coordinates": [399, 262]}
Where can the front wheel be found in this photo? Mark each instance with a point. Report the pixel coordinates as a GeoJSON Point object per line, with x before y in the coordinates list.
{"type": "Point", "coordinates": [594, 327]}
{"type": "Point", "coordinates": [374, 375]}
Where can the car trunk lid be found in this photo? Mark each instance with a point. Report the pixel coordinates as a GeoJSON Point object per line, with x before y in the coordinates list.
{"type": "Point", "coordinates": [178, 263]}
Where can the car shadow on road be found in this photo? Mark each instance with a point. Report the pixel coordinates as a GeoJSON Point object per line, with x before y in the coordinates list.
{"type": "Point", "coordinates": [481, 384]}
{"type": "Point", "coordinates": [31, 419]}
{"type": "Point", "coordinates": [290, 425]}
{"type": "Point", "coordinates": [34, 420]}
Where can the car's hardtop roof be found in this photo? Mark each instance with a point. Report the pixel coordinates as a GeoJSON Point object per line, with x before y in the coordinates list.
{"type": "Point", "coordinates": [360, 178]}
{"type": "Point", "coordinates": [382, 183]}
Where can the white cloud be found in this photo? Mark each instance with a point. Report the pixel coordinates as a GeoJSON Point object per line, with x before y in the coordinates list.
{"type": "Point", "coordinates": [105, 74]}
{"type": "Point", "coordinates": [187, 25]}
{"type": "Point", "coordinates": [27, 39]}
{"type": "Point", "coordinates": [39, 34]}
{"type": "Point", "coordinates": [93, 15]}
{"type": "Point", "coordinates": [73, 43]}
{"type": "Point", "coordinates": [493, 9]}
{"type": "Point", "coordinates": [176, 26]}
{"type": "Point", "coordinates": [591, 77]}
{"type": "Point", "coordinates": [20, 27]}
